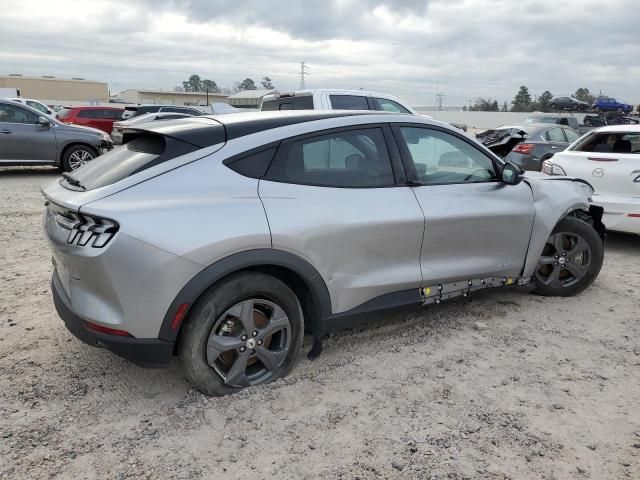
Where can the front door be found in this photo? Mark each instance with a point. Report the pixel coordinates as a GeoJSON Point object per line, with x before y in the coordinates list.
{"type": "Point", "coordinates": [476, 226]}
{"type": "Point", "coordinates": [22, 139]}
{"type": "Point", "coordinates": [339, 201]}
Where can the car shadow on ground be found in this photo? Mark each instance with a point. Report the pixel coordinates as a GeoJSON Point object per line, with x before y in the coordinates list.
{"type": "Point", "coordinates": [15, 171]}
{"type": "Point", "coordinates": [622, 243]}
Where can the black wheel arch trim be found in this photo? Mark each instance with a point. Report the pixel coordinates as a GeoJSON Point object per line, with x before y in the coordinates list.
{"type": "Point", "coordinates": [263, 257]}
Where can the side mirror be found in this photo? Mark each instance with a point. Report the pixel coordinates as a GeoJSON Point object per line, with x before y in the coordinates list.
{"type": "Point", "coordinates": [43, 122]}
{"type": "Point", "coordinates": [511, 174]}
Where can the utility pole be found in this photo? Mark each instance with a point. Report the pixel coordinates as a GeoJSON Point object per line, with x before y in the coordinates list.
{"type": "Point", "coordinates": [303, 72]}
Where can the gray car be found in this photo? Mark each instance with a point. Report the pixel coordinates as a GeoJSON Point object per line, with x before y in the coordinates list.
{"type": "Point", "coordinates": [27, 137]}
{"type": "Point", "coordinates": [539, 144]}
{"type": "Point", "coordinates": [568, 103]}
{"type": "Point", "coordinates": [223, 239]}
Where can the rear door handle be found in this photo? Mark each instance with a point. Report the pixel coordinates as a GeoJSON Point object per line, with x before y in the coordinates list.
{"type": "Point", "coordinates": [5, 131]}
{"type": "Point", "coordinates": [602, 159]}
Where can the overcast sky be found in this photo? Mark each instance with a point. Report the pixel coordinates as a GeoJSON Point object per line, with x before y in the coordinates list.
{"type": "Point", "coordinates": [465, 48]}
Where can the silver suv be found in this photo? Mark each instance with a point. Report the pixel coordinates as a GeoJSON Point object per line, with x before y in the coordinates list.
{"type": "Point", "coordinates": [223, 239]}
{"type": "Point", "coordinates": [28, 137]}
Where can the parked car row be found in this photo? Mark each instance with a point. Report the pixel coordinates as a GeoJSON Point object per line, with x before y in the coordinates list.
{"type": "Point", "coordinates": [602, 104]}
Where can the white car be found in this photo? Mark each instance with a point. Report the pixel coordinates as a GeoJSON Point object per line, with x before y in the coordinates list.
{"type": "Point", "coordinates": [334, 99]}
{"type": "Point", "coordinates": [609, 159]}
{"type": "Point", "coordinates": [34, 104]}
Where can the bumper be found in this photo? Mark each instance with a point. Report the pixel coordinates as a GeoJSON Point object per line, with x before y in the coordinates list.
{"type": "Point", "coordinates": [145, 352]}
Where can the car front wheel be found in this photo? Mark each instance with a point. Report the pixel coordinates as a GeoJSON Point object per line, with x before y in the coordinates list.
{"type": "Point", "coordinates": [246, 331]}
{"type": "Point", "coordinates": [77, 156]}
{"type": "Point", "coordinates": [571, 259]}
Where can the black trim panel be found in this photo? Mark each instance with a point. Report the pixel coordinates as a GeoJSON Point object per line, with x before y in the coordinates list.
{"type": "Point", "coordinates": [251, 258]}
{"type": "Point", "coordinates": [144, 352]}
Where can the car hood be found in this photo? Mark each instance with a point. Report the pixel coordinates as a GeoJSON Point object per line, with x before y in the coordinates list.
{"type": "Point", "coordinates": [82, 127]}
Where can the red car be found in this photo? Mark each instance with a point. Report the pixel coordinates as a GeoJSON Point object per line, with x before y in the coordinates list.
{"type": "Point", "coordinates": [96, 117]}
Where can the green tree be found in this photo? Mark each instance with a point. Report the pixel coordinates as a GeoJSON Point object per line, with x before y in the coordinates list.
{"type": "Point", "coordinates": [267, 84]}
{"type": "Point", "coordinates": [505, 107]}
{"type": "Point", "coordinates": [194, 84]}
{"type": "Point", "coordinates": [544, 100]}
{"type": "Point", "coordinates": [584, 95]}
{"type": "Point", "coordinates": [210, 85]}
{"type": "Point", "coordinates": [247, 84]}
{"type": "Point", "coordinates": [485, 105]}
{"type": "Point", "coordinates": [522, 101]}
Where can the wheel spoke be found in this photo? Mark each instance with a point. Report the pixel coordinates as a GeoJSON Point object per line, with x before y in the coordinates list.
{"type": "Point", "coordinates": [553, 278]}
{"type": "Point", "coordinates": [557, 242]}
{"type": "Point", "coordinates": [546, 261]}
{"type": "Point", "coordinates": [244, 312]}
{"type": "Point", "coordinates": [271, 359]}
{"type": "Point", "coordinates": [580, 247]}
{"type": "Point", "coordinates": [237, 374]}
{"type": "Point", "coordinates": [275, 325]}
{"type": "Point", "coordinates": [218, 344]}
{"type": "Point", "coordinates": [578, 271]}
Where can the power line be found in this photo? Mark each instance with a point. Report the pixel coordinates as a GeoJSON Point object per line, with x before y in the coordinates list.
{"type": "Point", "coordinates": [303, 72]}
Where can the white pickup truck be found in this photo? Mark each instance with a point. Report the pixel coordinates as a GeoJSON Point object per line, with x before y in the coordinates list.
{"type": "Point", "coordinates": [336, 99]}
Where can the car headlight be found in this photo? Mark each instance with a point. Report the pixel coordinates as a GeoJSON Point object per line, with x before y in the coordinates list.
{"type": "Point", "coordinates": [551, 168]}
{"type": "Point", "coordinates": [106, 137]}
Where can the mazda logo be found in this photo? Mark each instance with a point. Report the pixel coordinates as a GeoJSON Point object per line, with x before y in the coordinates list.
{"type": "Point", "coordinates": [598, 172]}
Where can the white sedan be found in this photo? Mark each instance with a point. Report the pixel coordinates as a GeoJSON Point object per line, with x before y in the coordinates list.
{"type": "Point", "coordinates": [609, 159]}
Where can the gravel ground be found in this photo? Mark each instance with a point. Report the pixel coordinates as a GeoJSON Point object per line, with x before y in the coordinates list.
{"type": "Point", "coordinates": [504, 385]}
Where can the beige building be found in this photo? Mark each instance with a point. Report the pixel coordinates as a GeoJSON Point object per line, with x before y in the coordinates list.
{"type": "Point", "coordinates": [52, 89]}
{"type": "Point", "coordinates": [169, 97]}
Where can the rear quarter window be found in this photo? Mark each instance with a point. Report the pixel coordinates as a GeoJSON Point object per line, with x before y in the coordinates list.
{"type": "Point", "coordinates": [349, 102]}
{"type": "Point", "coordinates": [304, 102]}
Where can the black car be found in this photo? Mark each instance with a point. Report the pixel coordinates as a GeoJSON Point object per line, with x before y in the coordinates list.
{"type": "Point", "coordinates": [611, 119]}
{"type": "Point", "coordinates": [568, 103]}
{"type": "Point", "coordinates": [540, 143]}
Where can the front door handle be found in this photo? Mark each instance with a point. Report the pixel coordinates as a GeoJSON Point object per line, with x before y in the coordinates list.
{"type": "Point", "coordinates": [554, 147]}
{"type": "Point", "coordinates": [5, 131]}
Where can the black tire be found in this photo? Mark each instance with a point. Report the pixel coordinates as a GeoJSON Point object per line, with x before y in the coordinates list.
{"type": "Point", "coordinates": [561, 261]}
{"type": "Point", "coordinates": [553, 106]}
{"type": "Point", "coordinates": [587, 123]}
{"type": "Point", "coordinates": [619, 110]}
{"type": "Point", "coordinates": [596, 109]}
{"type": "Point", "coordinates": [67, 161]}
{"type": "Point", "coordinates": [205, 320]}
{"type": "Point", "coordinates": [574, 106]}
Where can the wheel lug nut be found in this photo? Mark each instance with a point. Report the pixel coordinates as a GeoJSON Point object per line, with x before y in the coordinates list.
{"type": "Point", "coordinates": [255, 333]}
{"type": "Point", "coordinates": [242, 349]}
{"type": "Point", "coordinates": [555, 264]}
{"type": "Point", "coordinates": [259, 342]}
{"type": "Point", "coordinates": [243, 337]}
{"type": "Point", "coordinates": [564, 254]}
{"type": "Point", "coordinates": [556, 257]}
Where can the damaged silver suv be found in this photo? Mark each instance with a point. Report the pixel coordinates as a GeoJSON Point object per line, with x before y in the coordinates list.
{"type": "Point", "coordinates": [221, 240]}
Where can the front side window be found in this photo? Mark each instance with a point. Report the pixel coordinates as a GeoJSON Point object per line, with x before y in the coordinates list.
{"type": "Point", "coordinates": [389, 106]}
{"type": "Point", "coordinates": [352, 158]}
{"type": "Point", "coordinates": [349, 102]}
{"type": "Point", "coordinates": [88, 114]}
{"type": "Point", "coordinates": [571, 135]}
{"type": "Point", "coordinates": [440, 157]}
{"type": "Point", "coordinates": [16, 114]}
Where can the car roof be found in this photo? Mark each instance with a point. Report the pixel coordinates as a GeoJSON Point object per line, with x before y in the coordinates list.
{"type": "Point", "coordinates": [619, 129]}
{"type": "Point", "coordinates": [93, 107]}
{"type": "Point", "coordinates": [208, 130]}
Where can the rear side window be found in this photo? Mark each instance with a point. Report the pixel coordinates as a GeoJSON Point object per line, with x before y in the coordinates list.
{"type": "Point", "coordinates": [254, 165]}
{"type": "Point", "coordinates": [137, 155]}
{"type": "Point", "coordinates": [304, 102]}
{"type": "Point", "coordinates": [389, 105]}
{"type": "Point", "coordinates": [89, 114]}
{"type": "Point", "coordinates": [352, 158]}
{"type": "Point", "coordinates": [349, 102]}
{"type": "Point", "coordinates": [571, 135]}
{"type": "Point", "coordinates": [112, 114]}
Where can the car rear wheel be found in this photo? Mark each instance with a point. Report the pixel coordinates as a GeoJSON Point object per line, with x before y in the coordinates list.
{"type": "Point", "coordinates": [619, 109]}
{"type": "Point", "coordinates": [574, 106]}
{"type": "Point", "coordinates": [571, 259]}
{"type": "Point", "coordinates": [77, 156]}
{"type": "Point", "coordinates": [553, 106]}
{"type": "Point", "coordinates": [596, 109]}
{"type": "Point", "coordinates": [246, 331]}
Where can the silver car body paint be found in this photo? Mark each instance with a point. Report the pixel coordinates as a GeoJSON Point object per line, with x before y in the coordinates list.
{"type": "Point", "coordinates": [181, 216]}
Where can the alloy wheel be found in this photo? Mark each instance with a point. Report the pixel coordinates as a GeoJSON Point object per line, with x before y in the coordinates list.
{"type": "Point", "coordinates": [565, 260]}
{"type": "Point", "coordinates": [79, 158]}
{"type": "Point", "coordinates": [249, 342]}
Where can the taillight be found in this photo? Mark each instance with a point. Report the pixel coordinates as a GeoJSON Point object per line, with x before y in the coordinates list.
{"type": "Point", "coordinates": [524, 148]}
{"type": "Point", "coordinates": [87, 230]}
{"type": "Point", "coordinates": [109, 331]}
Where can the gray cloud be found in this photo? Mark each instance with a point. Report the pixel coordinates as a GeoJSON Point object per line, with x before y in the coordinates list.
{"type": "Point", "coordinates": [471, 48]}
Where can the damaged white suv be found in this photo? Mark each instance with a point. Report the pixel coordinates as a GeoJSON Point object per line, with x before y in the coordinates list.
{"type": "Point", "coordinates": [223, 239]}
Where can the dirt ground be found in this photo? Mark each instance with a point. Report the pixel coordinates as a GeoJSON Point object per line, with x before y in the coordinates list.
{"type": "Point", "coordinates": [504, 385]}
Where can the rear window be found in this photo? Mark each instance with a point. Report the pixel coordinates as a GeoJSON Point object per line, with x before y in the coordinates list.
{"type": "Point", "coordinates": [349, 102]}
{"type": "Point", "coordinates": [89, 114]}
{"type": "Point", "coordinates": [530, 120]}
{"type": "Point", "coordinates": [304, 102]}
{"type": "Point", "coordinates": [137, 155]}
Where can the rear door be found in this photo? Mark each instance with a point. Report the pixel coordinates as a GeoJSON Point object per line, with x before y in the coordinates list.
{"type": "Point", "coordinates": [22, 139]}
{"type": "Point", "coordinates": [340, 201]}
{"type": "Point", "coordinates": [476, 226]}
{"type": "Point", "coordinates": [556, 139]}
